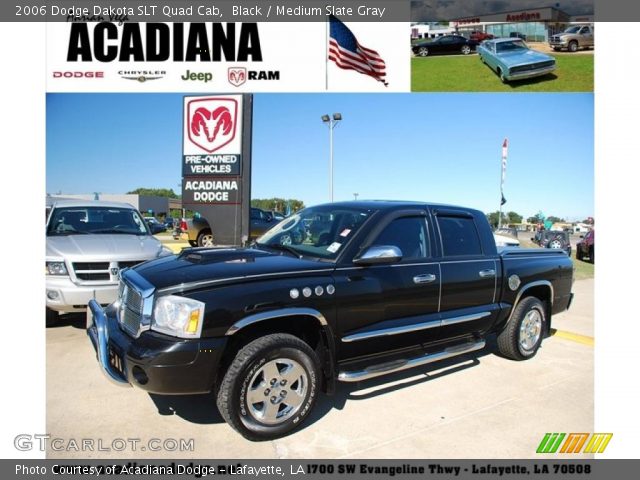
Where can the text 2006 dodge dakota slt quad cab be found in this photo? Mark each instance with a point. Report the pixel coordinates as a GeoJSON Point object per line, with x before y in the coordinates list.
{"type": "Point", "coordinates": [338, 292]}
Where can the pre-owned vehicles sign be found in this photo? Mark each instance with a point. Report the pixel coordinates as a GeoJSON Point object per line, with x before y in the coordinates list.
{"type": "Point", "coordinates": [216, 163]}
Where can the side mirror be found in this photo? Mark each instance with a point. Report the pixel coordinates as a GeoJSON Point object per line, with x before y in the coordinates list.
{"type": "Point", "coordinates": [379, 255]}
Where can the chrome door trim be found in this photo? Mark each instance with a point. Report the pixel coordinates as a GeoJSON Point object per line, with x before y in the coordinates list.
{"type": "Point", "coordinates": [355, 337]}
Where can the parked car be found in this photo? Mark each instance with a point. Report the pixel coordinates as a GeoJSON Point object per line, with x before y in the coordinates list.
{"type": "Point", "coordinates": [445, 44]}
{"type": "Point", "coordinates": [554, 239]}
{"type": "Point", "coordinates": [87, 244]}
{"type": "Point", "coordinates": [480, 36]}
{"type": "Point", "coordinates": [512, 59]}
{"type": "Point", "coordinates": [169, 223]}
{"type": "Point", "coordinates": [503, 240]}
{"type": "Point", "coordinates": [573, 38]}
{"type": "Point", "coordinates": [201, 235]}
{"type": "Point", "coordinates": [277, 216]}
{"type": "Point", "coordinates": [155, 226]}
{"type": "Point", "coordinates": [586, 247]}
{"type": "Point", "coordinates": [509, 231]}
{"type": "Point", "coordinates": [386, 287]}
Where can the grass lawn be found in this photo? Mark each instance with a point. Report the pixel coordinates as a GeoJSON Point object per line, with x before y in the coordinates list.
{"type": "Point", "coordinates": [581, 268]}
{"type": "Point", "coordinates": [462, 73]}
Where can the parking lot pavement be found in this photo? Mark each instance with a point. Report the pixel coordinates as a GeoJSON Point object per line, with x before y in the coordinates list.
{"type": "Point", "coordinates": [475, 407]}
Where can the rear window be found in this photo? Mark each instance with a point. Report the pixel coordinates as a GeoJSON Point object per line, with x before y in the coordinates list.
{"type": "Point", "coordinates": [459, 236]}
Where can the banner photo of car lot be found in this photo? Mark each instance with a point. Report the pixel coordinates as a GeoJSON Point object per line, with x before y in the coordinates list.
{"type": "Point", "coordinates": [233, 57]}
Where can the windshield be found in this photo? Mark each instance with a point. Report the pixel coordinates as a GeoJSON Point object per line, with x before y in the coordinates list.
{"type": "Point", "coordinates": [513, 46]}
{"type": "Point", "coordinates": [572, 29]}
{"type": "Point", "coordinates": [317, 231]}
{"type": "Point", "coordinates": [93, 220]}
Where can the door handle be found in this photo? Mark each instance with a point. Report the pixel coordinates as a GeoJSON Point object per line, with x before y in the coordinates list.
{"type": "Point", "coordinates": [426, 278]}
{"type": "Point", "coordinates": [487, 273]}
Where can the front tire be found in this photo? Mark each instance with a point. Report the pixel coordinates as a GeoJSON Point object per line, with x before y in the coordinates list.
{"type": "Point", "coordinates": [573, 46]}
{"type": "Point", "coordinates": [466, 50]}
{"type": "Point", "coordinates": [423, 52]}
{"type": "Point", "coordinates": [52, 318]}
{"type": "Point", "coordinates": [522, 337]}
{"type": "Point", "coordinates": [270, 387]}
{"type": "Point", "coordinates": [503, 79]}
{"type": "Point", "coordinates": [592, 255]}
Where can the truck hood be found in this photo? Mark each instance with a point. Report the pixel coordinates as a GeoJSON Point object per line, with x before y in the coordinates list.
{"type": "Point", "coordinates": [519, 58]}
{"type": "Point", "coordinates": [198, 267]}
{"type": "Point", "coordinates": [106, 247]}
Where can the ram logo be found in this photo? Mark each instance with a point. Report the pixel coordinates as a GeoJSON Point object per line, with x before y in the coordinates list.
{"type": "Point", "coordinates": [212, 122]}
{"type": "Point", "coordinates": [237, 76]}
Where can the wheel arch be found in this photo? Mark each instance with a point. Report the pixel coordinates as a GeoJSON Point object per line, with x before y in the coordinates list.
{"type": "Point", "coordinates": [540, 289]}
{"type": "Point", "coordinates": [307, 324]}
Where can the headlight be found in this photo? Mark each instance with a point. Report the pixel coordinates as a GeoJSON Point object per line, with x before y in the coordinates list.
{"type": "Point", "coordinates": [56, 268]}
{"type": "Point", "coordinates": [178, 316]}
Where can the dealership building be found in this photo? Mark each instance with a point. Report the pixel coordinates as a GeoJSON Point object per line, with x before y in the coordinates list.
{"type": "Point", "coordinates": [535, 25]}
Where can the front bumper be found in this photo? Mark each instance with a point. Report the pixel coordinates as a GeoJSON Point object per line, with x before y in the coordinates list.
{"type": "Point", "coordinates": [153, 362]}
{"type": "Point", "coordinates": [530, 74]}
{"type": "Point", "coordinates": [559, 44]}
{"type": "Point", "coordinates": [69, 297]}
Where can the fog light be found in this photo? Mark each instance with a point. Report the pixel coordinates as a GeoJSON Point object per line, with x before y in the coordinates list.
{"type": "Point", "coordinates": [52, 295]}
{"type": "Point", "coordinates": [139, 375]}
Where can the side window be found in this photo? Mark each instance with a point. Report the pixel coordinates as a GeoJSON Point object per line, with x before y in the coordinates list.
{"type": "Point", "coordinates": [409, 234]}
{"type": "Point", "coordinates": [459, 236]}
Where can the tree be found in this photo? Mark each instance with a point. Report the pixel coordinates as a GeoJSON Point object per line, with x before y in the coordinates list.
{"type": "Point", "coordinates": [514, 217]}
{"type": "Point", "coordinates": [277, 204]}
{"type": "Point", "coordinates": [554, 219]}
{"type": "Point", "coordinates": [155, 192]}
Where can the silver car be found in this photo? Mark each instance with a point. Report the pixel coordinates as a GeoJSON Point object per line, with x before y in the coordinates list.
{"type": "Point", "coordinates": [88, 243]}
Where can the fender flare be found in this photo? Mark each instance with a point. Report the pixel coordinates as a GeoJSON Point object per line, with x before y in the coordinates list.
{"type": "Point", "coordinates": [528, 286]}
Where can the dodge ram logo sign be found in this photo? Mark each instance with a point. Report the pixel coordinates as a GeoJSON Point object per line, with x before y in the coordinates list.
{"type": "Point", "coordinates": [237, 76]}
{"type": "Point", "coordinates": [212, 122]}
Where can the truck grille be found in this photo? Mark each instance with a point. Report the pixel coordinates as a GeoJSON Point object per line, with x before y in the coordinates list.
{"type": "Point", "coordinates": [100, 271]}
{"type": "Point", "coordinates": [533, 66]}
{"type": "Point", "coordinates": [131, 310]}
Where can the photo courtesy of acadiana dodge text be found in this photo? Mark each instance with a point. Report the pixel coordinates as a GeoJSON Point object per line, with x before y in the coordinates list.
{"type": "Point", "coordinates": [318, 275]}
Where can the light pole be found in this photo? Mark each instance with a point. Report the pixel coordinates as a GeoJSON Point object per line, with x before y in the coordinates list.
{"type": "Point", "coordinates": [331, 122]}
{"type": "Point", "coordinates": [355, 196]}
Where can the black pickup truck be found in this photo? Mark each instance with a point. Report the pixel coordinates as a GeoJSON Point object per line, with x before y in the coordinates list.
{"type": "Point", "coordinates": [338, 292]}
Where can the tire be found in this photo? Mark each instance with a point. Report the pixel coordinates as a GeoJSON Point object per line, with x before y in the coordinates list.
{"type": "Point", "coordinates": [592, 255]}
{"type": "Point", "coordinates": [52, 318]}
{"type": "Point", "coordinates": [503, 79]}
{"type": "Point", "coordinates": [423, 52]}
{"type": "Point", "coordinates": [522, 336]}
{"type": "Point", "coordinates": [573, 46]}
{"type": "Point", "coordinates": [579, 255]}
{"type": "Point", "coordinates": [205, 238]}
{"type": "Point", "coordinates": [246, 378]}
{"type": "Point", "coordinates": [466, 50]}
{"type": "Point", "coordinates": [557, 244]}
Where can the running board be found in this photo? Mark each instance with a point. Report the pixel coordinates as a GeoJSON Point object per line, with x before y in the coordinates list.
{"type": "Point", "coordinates": [399, 365]}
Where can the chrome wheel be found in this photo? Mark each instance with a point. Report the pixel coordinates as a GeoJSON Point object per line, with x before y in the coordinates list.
{"type": "Point", "coordinates": [530, 330]}
{"type": "Point", "coordinates": [276, 391]}
{"type": "Point", "coordinates": [555, 244]}
{"type": "Point", "coordinates": [423, 51]}
{"type": "Point", "coordinates": [206, 240]}
{"type": "Point", "coordinates": [466, 50]}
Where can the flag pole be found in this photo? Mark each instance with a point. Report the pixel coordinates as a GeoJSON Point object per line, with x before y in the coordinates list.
{"type": "Point", "coordinates": [326, 55]}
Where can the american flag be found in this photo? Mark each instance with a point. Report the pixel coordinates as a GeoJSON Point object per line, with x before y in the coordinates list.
{"type": "Point", "coordinates": [348, 54]}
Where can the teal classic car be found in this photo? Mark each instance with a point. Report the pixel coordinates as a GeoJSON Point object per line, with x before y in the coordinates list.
{"type": "Point", "coordinates": [512, 59]}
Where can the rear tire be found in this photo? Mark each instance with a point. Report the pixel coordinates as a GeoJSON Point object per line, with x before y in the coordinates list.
{"type": "Point", "coordinates": [592, 255]}
{"type": "Point", "coordinates": [522, 337]}
{"type": "Point", "coordinates": [579, 254]}
{"type": "Point", "coordinates": [52, 318]}
{"type": "Point", "coordinates": [252, 397]}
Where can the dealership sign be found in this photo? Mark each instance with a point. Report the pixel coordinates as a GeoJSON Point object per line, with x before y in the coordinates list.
{"type": "Point", "coordinates": [216, 162]}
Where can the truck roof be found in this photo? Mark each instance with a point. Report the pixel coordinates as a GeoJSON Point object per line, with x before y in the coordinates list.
{"type": "Point", "coordinates": [393, 204]}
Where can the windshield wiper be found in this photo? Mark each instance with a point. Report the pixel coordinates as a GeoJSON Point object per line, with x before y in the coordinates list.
{"type": "Point", "coordinates": [113, 230]}
{"type": "Point", "coordinates": [281, 248]}
{"type": "Point", "coordinates": [69, 232]}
